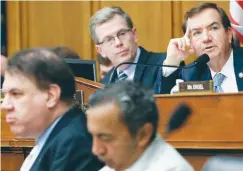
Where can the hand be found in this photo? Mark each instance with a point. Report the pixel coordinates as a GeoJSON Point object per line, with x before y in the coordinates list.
{"type": "Point", "coordinates": [179, 49]}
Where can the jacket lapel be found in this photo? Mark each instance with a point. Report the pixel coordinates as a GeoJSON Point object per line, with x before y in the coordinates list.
{"type": "Point", "coordinates": [62, 123]}
{"type": "Point", "coordinates": [140, 69]}
{"type": "Point", "coordinates": [106, 79]}
{"type": "Point", "coordinates": [238, 65]}
{"type": "Point", "coordinates": [197, 73]}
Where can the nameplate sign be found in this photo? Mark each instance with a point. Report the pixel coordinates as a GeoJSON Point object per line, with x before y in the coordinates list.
{"type": "Point", "coordinates": [196, 86]}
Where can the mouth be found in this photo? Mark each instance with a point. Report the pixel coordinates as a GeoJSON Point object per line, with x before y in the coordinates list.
{"type": "Point", "coordinates": [10, 120]}
{"type": "Point", "coordinates": [122, 52]}
{"type": "Point", "coordinates": [208, 48]}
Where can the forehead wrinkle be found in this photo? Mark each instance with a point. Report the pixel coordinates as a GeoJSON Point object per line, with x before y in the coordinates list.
{"type": "Point", "coordinates": [207, 25]}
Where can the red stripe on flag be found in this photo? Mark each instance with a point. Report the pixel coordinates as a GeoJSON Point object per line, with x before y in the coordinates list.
{"type": "Point", "coordinates": [240, 2]}
{"type": "Point", "coordinates": [232, 20]}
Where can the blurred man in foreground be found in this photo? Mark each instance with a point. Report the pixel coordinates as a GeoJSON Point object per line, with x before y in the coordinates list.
{"type": "Point", "coordinates": [123, 120]}
{"type": "Point", "coordinates": [208, 31]}
{"type": "Point", "coordinates": [39, 88]}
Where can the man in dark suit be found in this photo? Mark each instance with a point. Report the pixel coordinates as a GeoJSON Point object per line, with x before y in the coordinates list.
{"type": "Point", "coordinates": [115, 37]}
{"type": "Point", "coordinates": [207, 30]}
{"type": "Point", "coordinates": [39, 88]}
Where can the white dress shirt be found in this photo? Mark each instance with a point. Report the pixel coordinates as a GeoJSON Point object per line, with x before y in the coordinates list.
{"type": "Point", "coordinates": [29, 161]}
{"type": "Point", "coordinates": [130, 69]}
{"type": "Point", "coordinates": [229, 84]}
{"type": "Point", "coordinates": [159, 156]}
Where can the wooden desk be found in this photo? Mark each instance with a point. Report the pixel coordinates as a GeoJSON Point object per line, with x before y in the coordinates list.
{"type": "Point", "coordinates": [215, 127]}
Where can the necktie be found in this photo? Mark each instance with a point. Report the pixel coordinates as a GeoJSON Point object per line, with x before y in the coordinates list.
{"type": "Point", "coordinates": [217, 81]}
{"type": "Point", "coordinates": [122, 76]}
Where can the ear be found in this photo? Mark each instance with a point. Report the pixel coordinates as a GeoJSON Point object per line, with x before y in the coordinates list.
{"type": "Point", "coordinates": [230, 34]}
{"type": "Point", "coordinates": [53, 94]}
{"type": "Point", "coordinates": [100, 51]}
{"type": "Point", "coordinates": [135, 34]}
{"type": "Point", "coordinates": [144, 135]}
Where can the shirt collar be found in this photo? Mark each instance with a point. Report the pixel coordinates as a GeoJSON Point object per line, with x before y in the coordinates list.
{"type": "Point", "coordinates": [226, 70]}
{"type": "Point", "coordinates": [130, 68]}
{"type": "Point", "coordinates": [40, 141]}
{"type": "Point", "coordinates": [142, 161]}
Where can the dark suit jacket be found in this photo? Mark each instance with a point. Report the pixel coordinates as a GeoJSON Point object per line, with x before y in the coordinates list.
{"type": "Point", "coordinates": [144, 75]}
{"type": "Point", "coordinates": [68, 148]}
{"type": "Point", "coordinates": [202, 73]}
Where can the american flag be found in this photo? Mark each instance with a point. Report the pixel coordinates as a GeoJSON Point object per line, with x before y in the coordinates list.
{"type": "Point", "coordinates": [236, 17]}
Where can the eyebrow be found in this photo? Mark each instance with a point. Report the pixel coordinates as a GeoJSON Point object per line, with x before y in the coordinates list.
{"type": "Point", "coordinates": [108, 36]}
{"type": "Point", "coordinates": [209, 25]}
{"type": "Point", "coordinates": [10, 90]}
{"type": "Point", "coordinates": [102, 134]}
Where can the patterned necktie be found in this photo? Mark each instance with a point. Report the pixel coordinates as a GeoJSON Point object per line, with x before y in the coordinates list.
{"type": "Point", "coordinates": [122, 76]}
{"type": "Point", "coordinates": [217, 81]}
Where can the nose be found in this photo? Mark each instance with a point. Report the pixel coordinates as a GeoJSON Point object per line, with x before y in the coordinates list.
{"type": "Point", "coordinates": [98, 148]}
{"type": "Point", "coordinates": [206, 36]}
{"type": "Point", "coordinates": [118, 42]}
{"type": "Point", "coordinates": [6, 104]}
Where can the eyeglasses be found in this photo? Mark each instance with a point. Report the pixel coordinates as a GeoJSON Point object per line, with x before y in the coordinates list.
{"type": "Point", "coordinates": [121, 35]}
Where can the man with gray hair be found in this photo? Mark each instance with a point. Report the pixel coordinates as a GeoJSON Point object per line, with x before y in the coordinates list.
{"type": "Point", "coordinates": [115, 37]}
{"type": "Point", "coordinates": [123, 120]}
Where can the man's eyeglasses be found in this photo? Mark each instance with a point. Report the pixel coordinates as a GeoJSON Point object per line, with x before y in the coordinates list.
{"type": "Point", "coordinates": [121, 35]}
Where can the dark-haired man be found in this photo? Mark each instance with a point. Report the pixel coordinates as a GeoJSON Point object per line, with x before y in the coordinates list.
{"type": "Point", "coordinates": [123, 119]}
{"type": "Point", "coordinates": [39, 88]}
{"type": "Point", "coordinates": [207, 30]}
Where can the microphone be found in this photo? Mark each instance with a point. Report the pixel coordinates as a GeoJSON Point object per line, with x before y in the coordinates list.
{"type": "Point", "coordinates": [202, 59]}
{"type": "Point", "coordinates": [178, 118]}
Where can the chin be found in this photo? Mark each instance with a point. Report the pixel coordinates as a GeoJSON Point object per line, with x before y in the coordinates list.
{"type": "Point", "coordinates": [20, 133]}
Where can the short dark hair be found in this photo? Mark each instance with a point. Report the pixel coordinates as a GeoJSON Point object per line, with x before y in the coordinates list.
{"type": "Point", "coordinates": [137, 104]}
{"type": "Point", "coordinates": [65, 52]}
{"type": "Point", "coordinates": [199, 8]}
{"type": "Point", "coordinates": [103, 61]}
{"type": "Point", "coordinates": [46, 68]}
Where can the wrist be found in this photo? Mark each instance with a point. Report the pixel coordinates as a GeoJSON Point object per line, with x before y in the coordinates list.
{"type": "Point", "coordinates": [172, 61]}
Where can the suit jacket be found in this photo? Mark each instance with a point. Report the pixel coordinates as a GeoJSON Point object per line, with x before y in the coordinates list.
{"type": "Point", "coordinates": [202, 73]}
{"type": "Point", "coordinates": [68, 147]}
{"type": "Point", "coordinates": [144, 75]}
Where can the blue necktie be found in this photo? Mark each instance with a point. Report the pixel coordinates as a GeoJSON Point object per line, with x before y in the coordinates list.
{"type": "Point", "coordinates": [122, 76]}
{"type": "Point", "coordinates": [217, 81]}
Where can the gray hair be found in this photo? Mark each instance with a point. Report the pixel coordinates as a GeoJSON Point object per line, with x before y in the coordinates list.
{"type": "Point", "coordinates": [136, 103]}
{"type": "Point", "coordinates": [103, 16]}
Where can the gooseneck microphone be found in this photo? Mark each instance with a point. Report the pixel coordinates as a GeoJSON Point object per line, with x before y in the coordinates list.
{"type": "Point", "coordinates": [178, 118]}
{"type": "Point", "coordinates": [203, 59]}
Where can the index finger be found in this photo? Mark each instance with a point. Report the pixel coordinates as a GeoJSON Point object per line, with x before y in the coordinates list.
{"type": "Point", "coordinates": [187, 36]}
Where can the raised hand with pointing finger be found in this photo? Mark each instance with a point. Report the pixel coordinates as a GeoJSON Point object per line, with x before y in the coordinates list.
{"type": "Point", "coordinates": [179, 49]}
